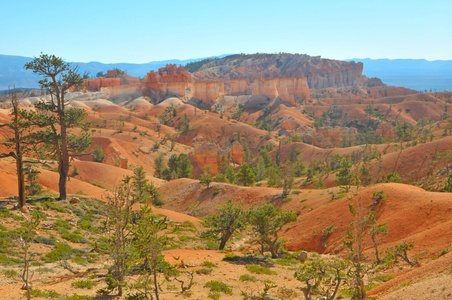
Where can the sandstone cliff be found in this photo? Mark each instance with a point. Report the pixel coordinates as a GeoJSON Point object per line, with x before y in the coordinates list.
{"type": "Point", "coordinates": [320, 73]}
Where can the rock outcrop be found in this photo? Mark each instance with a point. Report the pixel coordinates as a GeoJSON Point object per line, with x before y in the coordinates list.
{"type": "Point", "coordinates": [320, 73]}
{"type": "Point", "coordinates": [287, 89]}
{"type": "Point", "coordinates": [113, 78]}
{"type": "Point", "coordinates": [208, 91]}
{"type": "Point", "coordinates": [237, 153]}
{"type": "Point", "coordinates": [205, 154]}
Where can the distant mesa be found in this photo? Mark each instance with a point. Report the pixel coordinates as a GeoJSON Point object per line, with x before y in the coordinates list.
{"type": "Point", "coordinates": [288, 77]}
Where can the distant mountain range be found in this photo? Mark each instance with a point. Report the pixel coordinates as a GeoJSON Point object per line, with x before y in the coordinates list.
{"type": "Point", "coordinates": [12, 70]}
{"type": "Point", "coordinates": [417, 74]}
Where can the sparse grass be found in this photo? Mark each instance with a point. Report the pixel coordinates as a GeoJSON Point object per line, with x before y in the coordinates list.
{"type": "Point", "coordinates": [61, 251]}
{"type": "Point", "coordinates": [185, 238]}
{"type": "Point", "coordinates": [245, 258]}
{"type": "Point", "coordinates": [217, 286]}
{"type": "Point", "coordinates": [44, 294]}
{"type": "Point", "coordinates": [248, 277]}
{"type": "Point", "coordinates": [51, 294]}
{"type": "Point", "coordinates": [401, 286]}
{"type": "Point", "coordinates": [45, 270]}
{"type": "Point", "coordinates": [171, 287]}
{"type": "Point", "coordinates": [203, 271]}
{"type": "Point", "coordinates": [212, 245]}
{"type": "Point", "coordinates": [5, 213]}
{"type": "Point", "coordinates": [97, 185]}
{"type": "Point", "coordinates": [347, 293]}
{"type": "Point", "coordinates": [46, 241]}
{"type": "Point", "coordinates": [84, 284]}
{"type": "Point", "coordinates": [209, 264]}
{"type": "Point", "coordinates": [10, 273]}
{"type": "Point", "coordinates": [383, 277]}
{"type": "Point", "coordinates": [62, 225]}
{"type": "Point", "coordinates": [73, 237]}
{"type": "Point", "coordinates": [285, 293]}
{"type": "Point", "coordinates": [214, 295]}
{"type": "Point", "coordinates": [51, 204]}
{"type": "Point", "coordinates": [9, 261]}
{"type": "Point", "coordinates": [256, 269]}
{"type": "Point", "coordinates": [286, 261]}
{"type": "Point", "coordinates": [36, 264]}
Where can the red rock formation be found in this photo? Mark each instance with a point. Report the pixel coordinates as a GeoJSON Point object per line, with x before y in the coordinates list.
{"type": "Point", "coordinates": [237, 153]}
{"type": "Point", "coordinates": [112, 79]}
{"type": "Point", "coordinates": [168, 74]}
{"type": "Point", "coordinates": [170, 80]}
{"type": "Point", "coordinates": [205, 155]}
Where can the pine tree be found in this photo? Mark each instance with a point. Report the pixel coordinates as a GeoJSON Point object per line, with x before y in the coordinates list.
{"type": "Point", "coordinates": [246, 176]}
{"type": "Point", "coordinates": [54, 118]}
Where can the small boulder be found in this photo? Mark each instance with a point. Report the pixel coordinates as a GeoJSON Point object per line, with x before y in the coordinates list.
{"type": "Point", "coordinates": [302, 256]}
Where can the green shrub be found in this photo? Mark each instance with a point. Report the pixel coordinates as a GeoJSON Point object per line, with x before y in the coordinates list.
{"type": "Point", "coordinates": [184, 238]}
{"type": "Point", "coordinates": [204, 271]}
{"type": "Point", "coordinates": [84, 284]}
{"type": "Point", "coordinates": [383, 277]}
{"type": "Point", "coordinates": [256, 269]}
{"type": "Point", "coordinates": [286, 261]}
{"type": "Point", "coordinates": [10, 273]}
{"type": "Point", "coordinates": [61, 251]}
{"type": "Point", "coordinates": [5, 213]}
{"type": "Point", "coordinates": [51, 204]}
{"type": "Point", "coordinates": [45, 294]}
{"type": "Point", "coordinates": [9, 261]}
{"type": "Point", "coordinates": [209, 264]}
{"type": "Point", "coordinates": [245, 258]}
{"type": "Point", "coordinates": [73, 237]}
{"type": "Point", "coordinates": [247, 277]}
{"type": "Point", "coordinates": [214, 295]}
{"type": "Point", "coordinates": [216, 286]}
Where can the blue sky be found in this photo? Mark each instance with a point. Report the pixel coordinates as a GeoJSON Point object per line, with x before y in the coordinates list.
{"type": "Point", "coordinates": [139, 31]}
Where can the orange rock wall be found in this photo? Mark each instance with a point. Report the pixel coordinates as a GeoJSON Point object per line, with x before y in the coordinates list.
{"type": "Point", "coordinates": [205, 155]}
{"type": "Point", "coordinates": [266, 87]}
{"type": "Point", "coordinates": [96, 84]}
{"type": "Point", "coordinates": [287, 89]}
{"type": "Point", "coordinates": [122, 89]}
{"type": "Point", "coordinates": [208, 91]}
{"type": "Point", "coordinates": [173, 80]}
{"type": "Point", "coordinates": [239, 86]}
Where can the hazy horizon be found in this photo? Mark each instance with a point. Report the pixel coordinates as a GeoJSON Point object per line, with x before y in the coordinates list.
{"type": "Point", "coordinates": [144, 31]}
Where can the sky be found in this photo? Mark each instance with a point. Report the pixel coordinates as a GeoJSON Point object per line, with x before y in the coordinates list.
{"type": "Point", "coordinates": [140, 31]}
